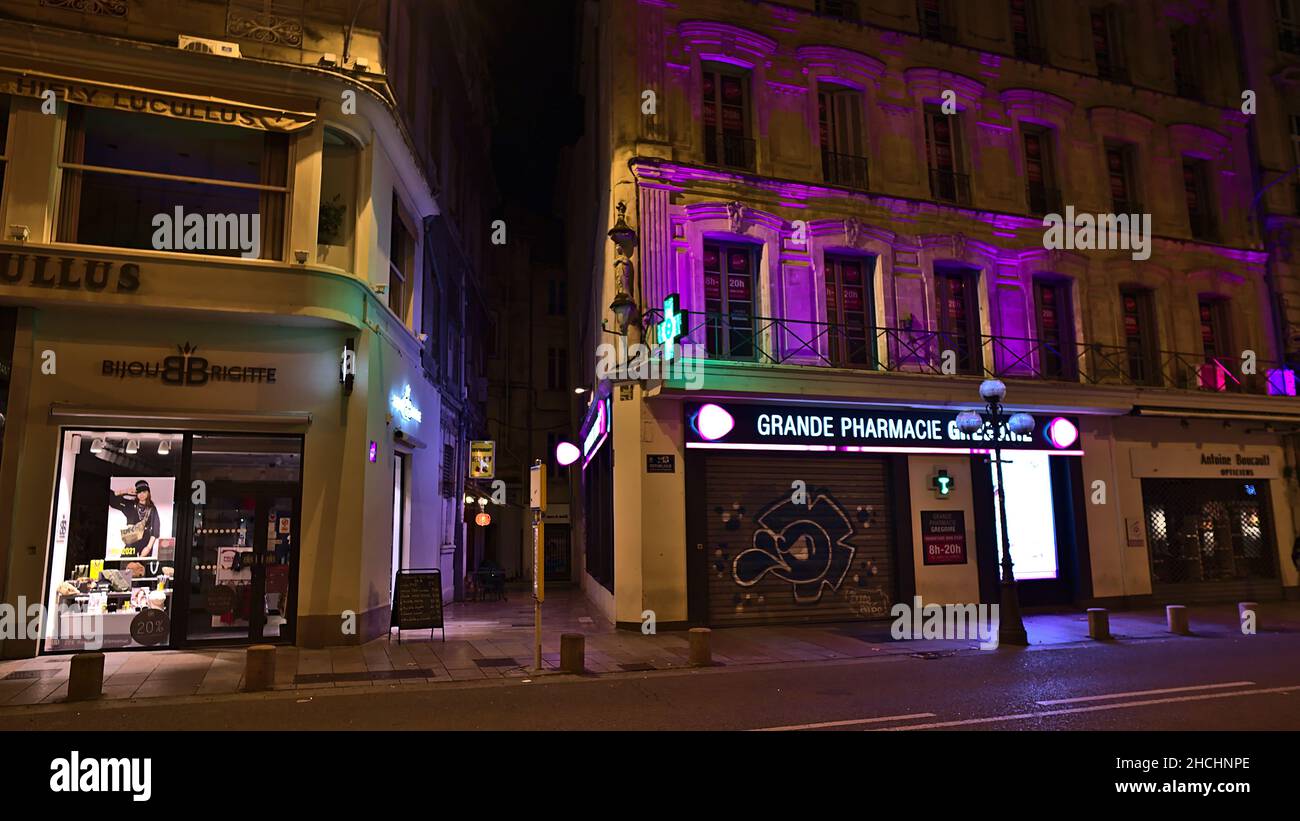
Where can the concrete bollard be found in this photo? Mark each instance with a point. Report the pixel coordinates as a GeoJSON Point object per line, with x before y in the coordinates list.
{"type": "Point", "coordinates": [1251, 607]}
{"type": "Point", "coordinates": [1177, 617]}
{"type": "Point", "coordinates": [259, 667]}
{"type": "Point", "coordinates": [573, 652]}
{"type": "Point", "coordinates": [86, 677]}
{"type": "Point", "coordinates": [701, 652]}
{"type": "Point", "coordinates": [1098, 623]}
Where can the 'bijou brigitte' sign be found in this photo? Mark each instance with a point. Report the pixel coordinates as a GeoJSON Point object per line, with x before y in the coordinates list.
{"type": "Point", "coordinates": [187, 369]}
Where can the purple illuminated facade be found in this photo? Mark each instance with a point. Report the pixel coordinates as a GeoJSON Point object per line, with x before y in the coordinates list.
{"type": "Point", "coordinates": [853, 217]}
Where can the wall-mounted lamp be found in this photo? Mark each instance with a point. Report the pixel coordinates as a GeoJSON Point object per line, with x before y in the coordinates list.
{"type": "Point", "coordinates": [19, 233]}
{"type": "Point", "coordinates": [300, 256]}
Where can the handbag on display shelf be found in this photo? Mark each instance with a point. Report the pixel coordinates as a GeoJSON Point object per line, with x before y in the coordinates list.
{"type": "Point", "coordinates": [133, 533]}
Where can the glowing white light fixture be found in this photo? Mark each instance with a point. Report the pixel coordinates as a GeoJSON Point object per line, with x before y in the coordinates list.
{"type": "Point", "coordinates": [164, 447]}
{"type": "Point", "coordinates": [1021, 423]}
{"type": "Point", "coordinates": [133, 446]}
{"type": "Point", "coordinates": [97, 446]}
{"type": "Point", "coordinates": [566, 453]}
{"type": "Point", "coordinates": [713, 422]}
{"type": "Point", "coordinates": [1061, 432]}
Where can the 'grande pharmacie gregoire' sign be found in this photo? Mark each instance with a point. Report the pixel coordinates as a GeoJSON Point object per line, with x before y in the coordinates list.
{"type": "Point", "coordinates": [757, 426]}
{"type": "Point", "coordinates": [187, 368]}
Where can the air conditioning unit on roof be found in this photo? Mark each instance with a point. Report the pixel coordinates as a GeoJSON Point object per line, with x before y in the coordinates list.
{"type": "Point", "coordinates": [203, 45]}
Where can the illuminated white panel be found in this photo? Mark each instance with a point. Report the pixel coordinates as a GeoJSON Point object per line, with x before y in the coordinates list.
{"type": "Point", "coordinates": [1031, 521]}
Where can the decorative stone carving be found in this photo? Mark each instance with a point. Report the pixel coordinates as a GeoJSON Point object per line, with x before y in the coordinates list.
{"type": "Point", "coordinates": [736, 212]}
{"type": "Point", "coordinates": [959, 245]}
{"type": "Point", "coordinates": [852, 231]}
{"type": "Point", "coordinates": [264, 26]}
{"type": "Point", "coordinates": [108, 8]}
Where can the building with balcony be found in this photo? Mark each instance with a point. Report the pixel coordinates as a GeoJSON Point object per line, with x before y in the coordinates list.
{"type": "Point", "coordinates": [242, 314]}
{"type": "Point", "coordinates": [840, 211]}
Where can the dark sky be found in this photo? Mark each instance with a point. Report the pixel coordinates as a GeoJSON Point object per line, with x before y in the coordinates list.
{"type": "Point", "coordinates": [531, 53]}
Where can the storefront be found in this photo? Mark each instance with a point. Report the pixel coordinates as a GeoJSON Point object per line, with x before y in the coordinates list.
{"type": "Point", "coordinates": [820, 512]}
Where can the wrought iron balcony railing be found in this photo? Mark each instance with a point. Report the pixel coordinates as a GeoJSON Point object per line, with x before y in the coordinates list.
{"type": "Point", "coordinates": [1043, 199]}
{"type": "Point", "coordinates": [770, 341]}
{"type": "Point", "coordinates": [730, 151]}
{"type": "Point", "coordinates": [847, 170]}
{"type": "Point", "coordinates": [842, 9]}
{"type": "Point", "coordinates": [1203, 225]}
{"type": "Point", "coordinates": [950, 186]}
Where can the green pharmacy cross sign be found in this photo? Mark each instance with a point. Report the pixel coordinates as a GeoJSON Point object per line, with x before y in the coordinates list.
{"type": "Point", "coordinates": [942, 483]}
{"type": "Point", "coordinates": [669, 329]}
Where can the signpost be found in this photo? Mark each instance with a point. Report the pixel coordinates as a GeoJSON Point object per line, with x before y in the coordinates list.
{"type": "Point", "coordinates": [417, 602]}
{"type": "Point", "coordinates": [483, 459]}
{"type": "Point", "coordinates": [537, 503]}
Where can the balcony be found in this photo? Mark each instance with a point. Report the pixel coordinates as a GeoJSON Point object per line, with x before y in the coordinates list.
{"type": "Point", "coordinates": [942, 32]}
{"type": "Point", "coordinates": [771, 341]}
{"type": "Point", "coordinates": [1043, 199]}
{"type": "Point", "coordinates": [1113, 71]}
{"type": "Point", "coordinates": [839, 9]}
{"type": "Point", "coordinates": [730, 151]}
{"type": "Point", "coordinates": [1129, 206]}
{"type": "Point", "coordinates": [1203, 226]}
{"type": "Point", "coordinates": [847, 170]}
{"type": "Point", "coordinates": [949, 186]}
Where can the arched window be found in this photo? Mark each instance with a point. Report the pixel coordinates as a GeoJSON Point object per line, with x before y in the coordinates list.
{"type": "Point", "coordinates": [337, 220]}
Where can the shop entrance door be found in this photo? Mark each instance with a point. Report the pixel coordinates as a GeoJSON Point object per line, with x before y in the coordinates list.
{"type": "Point", "coordinates": [242, 546]}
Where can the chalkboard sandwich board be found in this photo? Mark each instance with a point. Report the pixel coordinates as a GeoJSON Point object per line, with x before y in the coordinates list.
{"type": "Point", "coordinates": [417, 602]}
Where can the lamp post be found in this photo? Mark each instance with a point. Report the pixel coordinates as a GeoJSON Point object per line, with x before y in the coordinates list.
{"type": "Point", "coordinates": [1011, 628]}
{"type": "Point", "coordinates": [625, 309]}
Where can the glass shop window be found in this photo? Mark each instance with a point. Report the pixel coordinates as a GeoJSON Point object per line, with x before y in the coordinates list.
{"type": "Point", "coordinates": [128, 177]}
{"type": "Point", "coordinates": [337, 219]}
{"type": "Point", "coordinates": [112, 568]}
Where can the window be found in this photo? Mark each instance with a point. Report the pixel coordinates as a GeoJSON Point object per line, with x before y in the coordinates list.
{"type": "Point", "coordinates": [1196, 192]}
{"type": "Point", "coordinates": [842, 9]}
{"type": "Point", "coordinates": [1187, 80]}
{"type": "Point", "coordinates": [4, 138]}
{"type": "Point", "coordinates": [850, 311]}
{"type": "Point", "coordinates": [401, 257]}
{"type": "Point", "coordinates": [1141, 351]}
{"type": "Point", "coordinates": [1288, 26]}
{"type": "Point", "coordinates": [1042, 194]}
{"type": "Point", "coordinates": [729, 310]}
{"type": "Point", "coordinates": [557, 297]}
{"type": "Point", "coordinates": [957, 306]}
{"type": "Point", "coordinates": [1106, 45]}
{"type": "Point", "coordinates": [1120, 172]}
{"type": "Point", "coordinates": [1054, 318]}
{"type": "Point", "coordinates": [839, 125]}
{"type": "Point", "coordinates": [726, 117]}
{"type": "Point", "coordinates": [1025, 35]}
{"type": "Point", "coordinates": [336, 220]}
{"type": "Point", "coordinates": [936, 20]}
{"type": "Point", "coordinates": [944, 152]}
{"type": "Point", "coordinates": [1216, 342]}
{"type": "Point", "coordinates": [557, 369]}
{"type": "Point", "coordinates": [127, 177]}
{"type": "Point", "coordinates": [448, 471]}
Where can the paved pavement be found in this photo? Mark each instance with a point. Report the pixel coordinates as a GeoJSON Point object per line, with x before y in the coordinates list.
{"type": "Point", "coordinates": [488, 641]}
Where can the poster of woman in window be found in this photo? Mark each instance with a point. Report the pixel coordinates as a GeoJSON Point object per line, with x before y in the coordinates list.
{"type": "Point", "coordinates": [139, 517]}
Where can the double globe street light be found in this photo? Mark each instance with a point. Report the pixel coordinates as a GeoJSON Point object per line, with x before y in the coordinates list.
{"type": "Point", "coordinates": [1011, 629]}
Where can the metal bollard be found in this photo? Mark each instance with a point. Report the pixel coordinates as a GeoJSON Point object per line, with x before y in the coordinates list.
{"type": "Point", "coordinates": [1248, 607]}
{"type": "Point", "coordinates": [1176, 614]}
{"type": "Point", "coordinates": [86, 677]}
{"type": "Point", "coordinates": [572, 652]}
{"type": "Point", "coordinates": [259, 667]}
{"type": "Point", "coordinates": [1098, 623]}
{"type": "Point", "coordinates": [701, 653]}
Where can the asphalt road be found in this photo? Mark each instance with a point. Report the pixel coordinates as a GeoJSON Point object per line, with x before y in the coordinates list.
{"type": "Point", "coordinates": [1236, 683]}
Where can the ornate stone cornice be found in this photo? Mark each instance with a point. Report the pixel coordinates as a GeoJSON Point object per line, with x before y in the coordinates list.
{"type": "Point", "coordinates": [108, 8]}
{"type": "Point", "coordinates": [840, 64]}
{"type": "Point", "coordinates": [1195, 139]}
{"type": "Point", "coordinates": [1032, 104]}
{"type": "Point", "coordinates": [1119, 122]}
{"type": "Point", "coordinates": [930, 83]}
{"type": "Point", "coordinates": [721, 40]}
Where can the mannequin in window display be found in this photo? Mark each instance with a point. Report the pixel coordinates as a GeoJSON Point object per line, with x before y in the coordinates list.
{"type": "Point", "coordinates": [143, 528]}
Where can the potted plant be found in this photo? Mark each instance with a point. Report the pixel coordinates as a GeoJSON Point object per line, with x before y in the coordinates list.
{"type": "Point", "coordinates": [329, 224]}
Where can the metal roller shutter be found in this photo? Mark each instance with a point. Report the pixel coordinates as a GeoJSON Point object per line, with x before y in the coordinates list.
{"type": "Point", "coordinates": [770, 560]}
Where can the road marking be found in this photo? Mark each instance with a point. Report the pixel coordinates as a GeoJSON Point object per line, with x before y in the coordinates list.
{"type": "Point", "coordinates": [847, 723]}
{"type": "Point", "coordinates": [1092, 709]}
{"type": "Point", "coordinates": [1143, 693]}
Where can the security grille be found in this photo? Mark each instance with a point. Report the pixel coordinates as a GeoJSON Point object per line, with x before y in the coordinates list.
{"type": "Point", "coordinates": [1208, 531]}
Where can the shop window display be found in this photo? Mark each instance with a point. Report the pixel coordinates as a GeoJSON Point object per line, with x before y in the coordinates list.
{"type": "Point", "coordinates": [113, 561]}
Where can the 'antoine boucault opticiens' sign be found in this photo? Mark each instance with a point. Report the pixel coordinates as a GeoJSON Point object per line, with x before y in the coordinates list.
{"type": "Point", "coordinates": [815, 427]}
{"type": "Point", "coordinates": [187, 368]}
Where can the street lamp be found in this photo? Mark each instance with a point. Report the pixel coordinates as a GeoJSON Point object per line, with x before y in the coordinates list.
{"type": "Point", "coordinates": [625, 309]}
{"type": "Point", "coordinates": [1011, 628]}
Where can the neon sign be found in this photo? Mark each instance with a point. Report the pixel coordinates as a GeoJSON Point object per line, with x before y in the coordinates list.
{"type": "Point", "coordinates": [670, 329]}
{"type": "Point", "coordinates": [404, 406]}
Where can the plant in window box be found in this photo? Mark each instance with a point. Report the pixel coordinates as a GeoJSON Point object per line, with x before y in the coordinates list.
{"type": "Point", "coordinates": [329, 226]}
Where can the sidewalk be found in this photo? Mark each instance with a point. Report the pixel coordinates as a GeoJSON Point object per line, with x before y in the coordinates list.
{"type": "Point", "coordinates": [494, 640]}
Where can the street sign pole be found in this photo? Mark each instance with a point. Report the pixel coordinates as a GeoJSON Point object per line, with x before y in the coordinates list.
{"type": "Point", "coordinates": [537, 502]}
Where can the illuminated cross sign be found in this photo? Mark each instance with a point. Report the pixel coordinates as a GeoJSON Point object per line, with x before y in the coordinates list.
{"type": "Point", "coordinates": [670, 328]}
{"type": "Point", "coordinates": [942, 483]}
